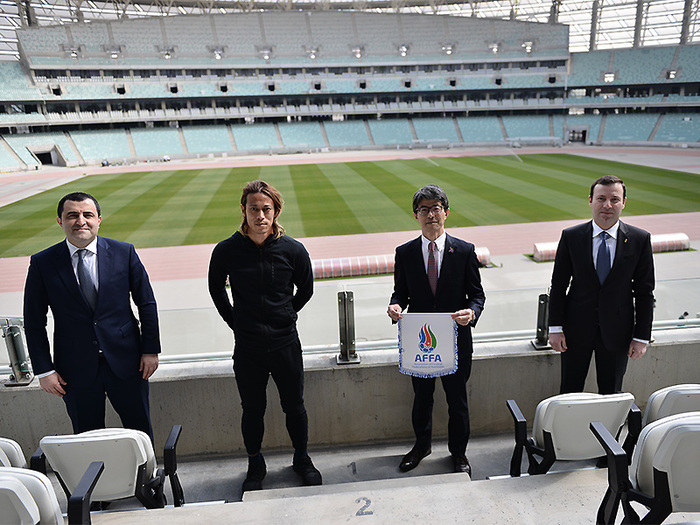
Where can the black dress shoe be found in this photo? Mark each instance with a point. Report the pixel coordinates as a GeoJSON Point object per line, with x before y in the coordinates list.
{"type": "Point", "coordinates": [461, 464]}
{"type": "Point", "coordinates": [411, 460]}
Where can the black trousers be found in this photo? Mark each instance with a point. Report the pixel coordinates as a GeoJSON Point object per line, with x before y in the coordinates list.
{"type": "Point", "coordinates": [455, 387]}
{"type": "Point", "coordinates": [129, 397]}
{"type": "Point", "coordinates": [610, 366]}
{"type": "Point", "coordinates": [252, 370]}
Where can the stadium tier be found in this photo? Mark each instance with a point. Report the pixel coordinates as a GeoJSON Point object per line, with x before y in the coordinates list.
{"type": "Point", "coordinates": [145, 89]}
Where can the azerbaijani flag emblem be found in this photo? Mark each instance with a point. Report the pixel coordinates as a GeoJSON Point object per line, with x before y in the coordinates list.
{"type": "Point", "coordinates": [427, 340]}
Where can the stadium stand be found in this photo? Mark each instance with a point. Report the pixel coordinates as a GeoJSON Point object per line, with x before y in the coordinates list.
{"type": "Point", "coordinates": [207, 139]}
{"type": "Point", "coordinates": [391, 131]}
{"type": "Point", "coordinates": [679, 127]}
{"type": "Point", "coordinates": [156, 142]}
{"type": "Point", "coordinates": [299, 79]}
{"type": "Point", "coordinates": [301, 134]}
{"type": "Point", "coordinates": [434, 130]}
{"type": "Point", "coordinates": [255, 137]}
{"type": "Point", "coordinates": [480, 129]}
{"type": "Point", "coordinates": [631, 127]}
{"type": "Point", "coordinates": [97, 145]}
{"type": "Point", "coordinates": [347, 134]}
{"type": "Point", "coordinates": [526, 126]}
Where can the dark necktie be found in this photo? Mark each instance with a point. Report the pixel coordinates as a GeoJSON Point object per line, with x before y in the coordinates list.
{"type": "Point", "coordinates": [603, 260]}
{"type": "Point", "coordinates": [432, 267]}
{"type": "Point", "coordinates": [86, 284]}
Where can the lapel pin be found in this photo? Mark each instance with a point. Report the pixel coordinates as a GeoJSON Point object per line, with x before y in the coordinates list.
{"type": "Point", "coordinates": [451, 250]}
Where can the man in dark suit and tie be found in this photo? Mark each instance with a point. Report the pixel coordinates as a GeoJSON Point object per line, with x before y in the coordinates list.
{"type": "Point", "coordinates": [601, 299]}
{"type": "Point", "coordinates": [439, 273]}
{"type": "Point", "coordinates": [99, 347]}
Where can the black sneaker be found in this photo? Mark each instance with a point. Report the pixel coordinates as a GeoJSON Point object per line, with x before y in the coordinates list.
{"type": "Point", "coordinates": [256, 473]}
{"type": "Point", "coordinates": [306, 470]}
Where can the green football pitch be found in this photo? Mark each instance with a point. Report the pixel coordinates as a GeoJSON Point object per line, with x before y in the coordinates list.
{"type": "Point", "coordinates": [197, 206]}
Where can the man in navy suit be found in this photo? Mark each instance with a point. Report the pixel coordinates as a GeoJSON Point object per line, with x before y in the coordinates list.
{"type": "Point", "coordinates": [99, 347]}
{"type": "Point", "coordinates": [601, 299]}
{"type": "Point", "coordinates": [456, 289]}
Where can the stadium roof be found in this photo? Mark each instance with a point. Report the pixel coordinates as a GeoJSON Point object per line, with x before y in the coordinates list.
{"type": "Point", "coordinates": [594, 24]}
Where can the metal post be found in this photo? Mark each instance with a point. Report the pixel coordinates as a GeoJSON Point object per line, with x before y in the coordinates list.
{"type": "Point", "coordinates": [542, 340]}
{"type": "Point", "coordinates": [346, 322]}
{"type": "Point", "coordinates": [16, 349]}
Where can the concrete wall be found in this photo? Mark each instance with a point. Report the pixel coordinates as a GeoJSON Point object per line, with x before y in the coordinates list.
{"type": "Point", "coordinates": [350, 404]}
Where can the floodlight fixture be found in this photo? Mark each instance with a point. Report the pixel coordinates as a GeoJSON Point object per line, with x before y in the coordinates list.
{"type": "Point", "coordinates": [528, 45]}
{"type": "Point", "coordinates": [671, 74]}
{"type": "Point", "coordinates": [609, 77]}
{"type": "Point", "coordinates": [217, 51]}
{"type": "Point", "coordinates": [448, 48]}
{"type": "Point", "coordinates": [113, 52]}
{"type": "Point", "coordinates": [265, 52]}
{"type": "Point", "coordinates": [73, 51]}
{"type": "Point", "coordinates": [357, 51]}
{"type": "Point", "coordinates": [166, 52]}
{"type": "Point", "coordinates": [495, 47]}
{"type": "Point", "coordinates": [312, 51]}
{"type": "Point", "coordinates": [403, 49]}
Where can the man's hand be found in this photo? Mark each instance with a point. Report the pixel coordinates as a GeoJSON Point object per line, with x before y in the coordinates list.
{"type": "Point", "coordinates": [464, 317]}
{"type": "Point", "coordinates": [558, 341]}
{"type": "Point", "coordinates": [637, 349]}
{"type": "Point", "coordinates": [149, 364]}
{"type": "Point", "coordinates": [394, 311]}
{"type": "Point", "coordinates": [53, 384]}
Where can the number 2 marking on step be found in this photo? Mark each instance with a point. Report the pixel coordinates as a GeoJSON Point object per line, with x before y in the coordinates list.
{"type": "Point", "coordinates": [363, 511]}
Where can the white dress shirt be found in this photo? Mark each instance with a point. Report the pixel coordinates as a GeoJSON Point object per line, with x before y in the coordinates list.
{"type": "Point", "coordinates": [439, 251]}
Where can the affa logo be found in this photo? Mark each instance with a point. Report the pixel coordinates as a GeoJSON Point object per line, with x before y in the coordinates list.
{"type": "Point", "coordinates": [427, 342]}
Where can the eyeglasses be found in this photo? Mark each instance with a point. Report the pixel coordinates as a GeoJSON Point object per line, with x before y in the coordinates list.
{"type": "Point", "coordinates": [424, 210]}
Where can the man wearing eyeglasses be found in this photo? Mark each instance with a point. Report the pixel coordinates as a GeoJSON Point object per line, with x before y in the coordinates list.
{"type": "Point", "coordinates": [439, 273]}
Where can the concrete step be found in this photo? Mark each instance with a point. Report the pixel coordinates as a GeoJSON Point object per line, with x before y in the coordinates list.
{"type": "Point", "coordinates": [570, 498]}
{"type": "Point", "coordinates": [356, 487]}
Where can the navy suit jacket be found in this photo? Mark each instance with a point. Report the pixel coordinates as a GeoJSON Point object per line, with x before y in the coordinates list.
{"type": "Point", "coordinates": [459, 284]}
{"type": "Point", "coordinates": [622, 306]}
{"type": "Point", "coordinates": [79, 334]}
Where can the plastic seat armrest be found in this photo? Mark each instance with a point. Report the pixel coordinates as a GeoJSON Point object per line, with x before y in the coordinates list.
{"type": "Point", "coordinates": [520, 437]}
{"type": "Point", "coordinates": [170, 462]}
{"type": "Point", "coordinates": [79, 501]}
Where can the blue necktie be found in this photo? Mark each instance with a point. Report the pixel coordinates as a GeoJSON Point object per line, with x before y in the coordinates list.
{"type": "Point", "coordinates": [86, 283]}
{"type": "Point", "coordinates": [603, 260]}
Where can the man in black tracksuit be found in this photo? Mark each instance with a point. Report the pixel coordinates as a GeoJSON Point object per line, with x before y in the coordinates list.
{"type": "Point", "coordinates": [263, 266]}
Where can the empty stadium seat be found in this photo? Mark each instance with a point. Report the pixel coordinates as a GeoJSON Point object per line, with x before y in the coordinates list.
{"type": "Point", "coordinates": [664, 475]}
{"type": "Point", "coordinates": [560, 428]}
{"type": "Point", "coordinates": [672, 400]}
{"type": "Point", "coordinates": [129, 460]}
{"type": "Point", "coordinates": [27, 496]}
{"type": "Point", "coordinates": [11, 454]}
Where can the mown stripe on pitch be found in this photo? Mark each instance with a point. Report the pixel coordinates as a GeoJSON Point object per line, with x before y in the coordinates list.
{"type": "Point", "coordinates": [323, 210]}
{"type": "Point", "coordinates": [371, 207]}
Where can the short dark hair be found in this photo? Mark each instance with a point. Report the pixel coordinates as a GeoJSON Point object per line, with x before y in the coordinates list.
{"type": "Point", "coordinates": [78, 196]}
{"type": "Point", "coordinates": [431, 192]}
{"type": "Point", "coordinates": [609, 180]}
{"type": "Point", "coordinates": [260, 186]}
